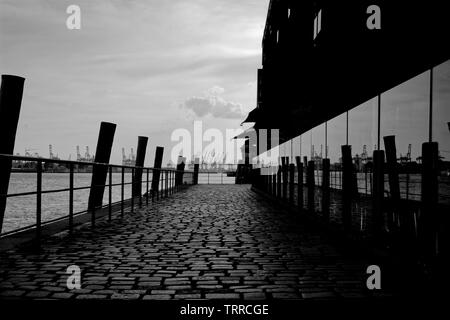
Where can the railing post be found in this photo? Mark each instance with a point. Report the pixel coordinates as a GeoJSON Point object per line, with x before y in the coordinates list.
{"type": "Point", "coordinates": [122, 192]}
{"type": "Point", "coordinates": [132, 185]}
{"type": "Point", "coordinates": [428, 219]}
{"type": "Point", "coordinates": [166, 191]}
{"type": "Point", "coordinates": [326, 188]}
{"type": "Point", "coordinates": [157, 173]}
{"type": "Point", "coordinates": [310, 183]}
{"type": "Point", "coordinates": [183, 164]}
{"type": "Point", "coordinates": [378, 191]}
{"type": "Point", "coordinates": [291, 182]}
{"type": "Point", "coordinates": [347, 186]}
{"type": "Point", "coordinates": [11, 92]}
{"type": "Point", "coordinates": [139, 164]}
{"type": "Point", "coordinates": [110, 182]}
{"type": "Point", "coordinates": [99, 171]}
{"type": "Point", "coordinates": [71, 198]}
{"type": "Point", "coordinates": [299, 183]}
{"type": "Point", "coordinates": [38, 201]}
{"type": "Point", "coordinates": [147, 186]}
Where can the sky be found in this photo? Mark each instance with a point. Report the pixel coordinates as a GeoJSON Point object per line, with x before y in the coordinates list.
{"type": "Point", "coordinates": [154, 67]}
{"type": "Point", "coordinates": [149, 66]}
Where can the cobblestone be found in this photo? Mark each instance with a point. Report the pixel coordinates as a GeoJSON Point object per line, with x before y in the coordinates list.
{"type": "Point", "coordinates": [213, 242]}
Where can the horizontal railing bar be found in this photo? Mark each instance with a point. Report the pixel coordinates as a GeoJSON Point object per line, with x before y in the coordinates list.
{"type": "Point", "coordinates": [4, 234]}
{"type": "Point", "coordinates": [31, 193]}
{"type": "Point", "coordinates": [60, 161]}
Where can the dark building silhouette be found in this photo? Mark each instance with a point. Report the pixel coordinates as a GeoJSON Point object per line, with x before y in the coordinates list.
{"type": "Point", "coordinates": [323, 58]}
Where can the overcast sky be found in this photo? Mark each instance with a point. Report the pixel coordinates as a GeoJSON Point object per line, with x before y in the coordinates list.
{"type": "Point", "coordinates": [148, 66]}
{"type": "Point", "coordinates": [153, 67]}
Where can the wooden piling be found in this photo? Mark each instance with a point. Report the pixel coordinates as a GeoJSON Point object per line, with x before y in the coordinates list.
{"type": "Point", "coordinates": [279, 182]}
{"type": "Point", "coordinates": [285, 177]}
{"type": "Point", "coordinates": [11, 92]}
{"type": "Point", "coordinates": [347, 186]}
{"type": "Point", "coordinates": [326, 188]}
{"type": "Point", "coordinates": [378, 191]}
{"type": "Point", "coordinates": [429, 218]}
{"type": "Point", "coordinates": [291, 182]}
{"type": "Point", "coordinates": [196, 169]}
{"type": "Point", "coordinates": [394, 184]}
{"type": "Point", "coordinates": [274, 182]}
{"type": "Point", "coordinates": [139, 164]}
{"type": "Point", "coordinates": [310, 183]}
{"type": "Point", "coordinates": [299, 183]}
{"type": "Point", "coordinates": [156, 174]}
{"type": "Point", "coordinates": [99, 171]}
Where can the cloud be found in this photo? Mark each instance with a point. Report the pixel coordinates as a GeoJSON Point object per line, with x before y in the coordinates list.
{"type": "Point", "coordinates": [213, 104]}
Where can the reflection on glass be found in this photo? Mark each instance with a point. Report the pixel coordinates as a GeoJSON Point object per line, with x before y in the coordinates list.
{"type": "Point", "coordinates": [441, 126]}
{"type": "Point", "coordinates": [363, 133]}
{"type": "Point", "coordinates": [307, 144]}
{"type": "Point", "coordinates": [318, 142]}
{"type": "Point", "coordinates": [404, 113]}
{"type": "Point", "coordinates": [336, 137]}
{"type": "Point", "coordinates": [441, 109]}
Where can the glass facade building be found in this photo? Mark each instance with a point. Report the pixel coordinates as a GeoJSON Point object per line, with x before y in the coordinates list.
{"type": "Point", "coordinates": [366, 122]}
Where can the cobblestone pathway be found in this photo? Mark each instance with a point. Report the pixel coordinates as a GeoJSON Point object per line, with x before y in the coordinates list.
{"type": "Point", "coordinates": [204, 242]}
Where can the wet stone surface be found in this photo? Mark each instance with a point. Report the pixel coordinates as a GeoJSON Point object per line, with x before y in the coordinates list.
{"type": "Point", "coordinates": [205, 242]}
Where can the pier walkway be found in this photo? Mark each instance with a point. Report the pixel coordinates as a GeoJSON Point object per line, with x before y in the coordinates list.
{"type": "Point", "coordinates": [207, 241]}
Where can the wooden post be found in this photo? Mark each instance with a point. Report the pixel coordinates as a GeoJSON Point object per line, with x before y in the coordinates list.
{"type": "Point", "coordinates": [428, 219]}
{"type": "Point", "coordinates": [247, 152]}
{"type": "Point", "coordinates": [378, 191]}
{"type": "Point", "coordinates": [326, 188]}
{"type": "Point", "coordinates": [299, 183]}
{"type": "Point", "coordinates": [11, 92]}
{"type": "Point", "coordinates": [182, 166]}
{"type": "Point", "coordinates": [140, 158]}
{"type": "Point", "coordinates": [156, 174]}
{"type": "Point", "coordinates": [180, 169]}
{"type": "Point", "coordinates": [274, 182]}
{"type": "Point", "coordinates": [291, 182]}
{"type": "Point", "coordinates": [196, 168]}
{"type": "Point", "coordinates": [347, 186]}
{"type": "Point", "coordinates": [99, 172]}
{"type": "Point", "coordinates": [269, 180]}
{"type": "Point", "coordinates": [279, 182]}
{"type": "Point", "coordinates": [310, 183]}
{"type": "Point", "coordinates": [392, 170]}
{"type": "Point", "coordinates": [285, 178]}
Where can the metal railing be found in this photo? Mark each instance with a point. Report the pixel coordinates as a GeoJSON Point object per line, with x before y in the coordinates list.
{"type": "Point", "coordinates": [215, 177]}
{"type": "Point", "coordinates": [168, 184]}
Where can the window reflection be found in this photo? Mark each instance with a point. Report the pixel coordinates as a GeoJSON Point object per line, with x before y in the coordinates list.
{"type": "Point", "coordinates": [336, 137]}
{"type": "Point", "coordinates": [404, 113]}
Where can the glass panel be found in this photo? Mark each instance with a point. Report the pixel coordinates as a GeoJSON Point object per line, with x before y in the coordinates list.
{"type": "Point", "coordinates": [363, 136]}
{"type": "Point", "coordinates": [318, 149]}
{"type": "Point", "coordinates": [441, 126]}
{"type": "Point", "coordinates": [336, 137]}
{"type": "Point", "coordinates": [318, 141]}
{"type": "Point", "coordinates": [306, 144]}
{"type": "Point", "coordinates": [362, 129]}
{"type": "Point", "coordinates": [405, 114]}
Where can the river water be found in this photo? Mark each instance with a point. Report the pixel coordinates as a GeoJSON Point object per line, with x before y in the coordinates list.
{"type": "Point", "coordinates": [21, 211]}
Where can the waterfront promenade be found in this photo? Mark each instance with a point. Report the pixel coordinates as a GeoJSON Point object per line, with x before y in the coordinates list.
{"type": "Point", "coordinates": [206, 242]}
